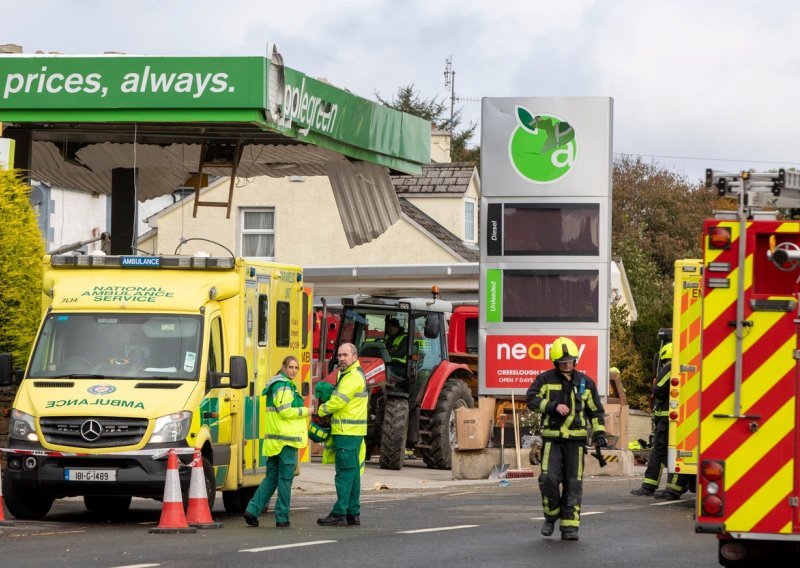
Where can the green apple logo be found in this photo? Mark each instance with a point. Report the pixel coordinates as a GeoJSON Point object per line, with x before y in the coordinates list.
{"type": "Point", "coordinates": [543, 147]}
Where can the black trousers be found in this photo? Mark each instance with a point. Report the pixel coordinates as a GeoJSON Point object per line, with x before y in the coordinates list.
{"type": "Point", "coordinates": [561, 481]}
{"type": "Point", "coordinates": [658, 454]}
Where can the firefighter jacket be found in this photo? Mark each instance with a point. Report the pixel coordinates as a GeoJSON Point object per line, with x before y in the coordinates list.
{"type": "Point", "coordinates": [552, 388]}
{"type": "Point", "coordinates": [286, 422]}
{"type": "Point", "coordinates": [348, 403]}
{"type": "Point", "coordinates": [661, 392]}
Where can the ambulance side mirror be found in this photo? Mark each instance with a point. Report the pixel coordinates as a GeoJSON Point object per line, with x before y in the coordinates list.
{"type": "Point", "coordinates": [237, 376]}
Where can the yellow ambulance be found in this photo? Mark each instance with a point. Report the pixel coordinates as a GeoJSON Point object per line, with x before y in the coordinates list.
{"type": "Point", "coordinates": [138, 354]}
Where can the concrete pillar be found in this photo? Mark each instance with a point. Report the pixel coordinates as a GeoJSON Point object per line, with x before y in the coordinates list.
{"type": "Point", "coordinates": [123, 210]}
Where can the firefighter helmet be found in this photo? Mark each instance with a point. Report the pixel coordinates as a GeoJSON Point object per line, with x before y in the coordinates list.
{"type": "Point", "coordinates": [666, 352]}
{"type": "Point", "coordinates": [563, 350]}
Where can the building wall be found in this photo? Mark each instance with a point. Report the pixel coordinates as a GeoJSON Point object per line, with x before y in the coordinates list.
{"type": "Point", "coordinates": [308, 230]}
{"type": "Point", "coordinates": [68, 216]}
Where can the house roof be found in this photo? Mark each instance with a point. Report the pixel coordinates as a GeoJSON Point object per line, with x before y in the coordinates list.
{"type": "Point", "coordinates": [437, 231]}
{"type": "Point", "coordinates": [450, 179]}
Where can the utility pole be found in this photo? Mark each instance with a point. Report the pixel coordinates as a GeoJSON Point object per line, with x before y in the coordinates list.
{"type": "Point", "coordinates": [450, 82]}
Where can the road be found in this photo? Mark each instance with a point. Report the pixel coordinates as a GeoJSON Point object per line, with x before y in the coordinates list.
{"type": "Point", "coordinates": [480, 524]}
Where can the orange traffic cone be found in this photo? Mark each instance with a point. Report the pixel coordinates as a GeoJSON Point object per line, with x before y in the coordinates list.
{"type": "Point", "coordinates": [199, 513]}
{"type": "Point", "coordinates": [172, 518]}
{"type": "Point", "coordinates": [3, 521]}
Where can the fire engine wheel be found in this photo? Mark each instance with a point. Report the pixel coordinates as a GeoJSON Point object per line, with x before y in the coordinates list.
{"type": "Point", "coordinates": [393, 433]}
{"type": "Point", "coordinates": [236, 501]}
{"type": "Point", "coordinates": [455, 394]}
{"type": "Point", "coordinates": [107, 504]}
{"type": "Point", "coordinates": [25, 506]}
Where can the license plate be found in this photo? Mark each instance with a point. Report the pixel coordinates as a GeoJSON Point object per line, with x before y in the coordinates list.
{"type": "Point", "coordinates": [90, 474]}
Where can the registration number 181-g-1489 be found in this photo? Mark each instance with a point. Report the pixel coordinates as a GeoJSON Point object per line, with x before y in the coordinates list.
{"type": "Point", "coordinates": [90, 474]}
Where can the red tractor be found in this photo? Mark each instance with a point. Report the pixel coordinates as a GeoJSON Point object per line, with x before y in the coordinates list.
{"type": "Point", "coordinates": [414, 387]}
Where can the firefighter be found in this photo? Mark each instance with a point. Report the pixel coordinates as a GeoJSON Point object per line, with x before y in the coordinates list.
{"type": "Point", "coordinates": [657, 459]}
{"type": "Point", "coordinates": [347, 408]}
{"type": "Point", "coordinates": [286, 432]}
{"type": "Point", "coordinates": [570, 404]}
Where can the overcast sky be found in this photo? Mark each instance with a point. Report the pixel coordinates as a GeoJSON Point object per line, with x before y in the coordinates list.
{"type": "Point", "coordinates": [692, 81]}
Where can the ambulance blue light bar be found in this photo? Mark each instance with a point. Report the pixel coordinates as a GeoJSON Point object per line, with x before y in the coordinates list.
{"type": "Point", "coordinates": [133, 262]}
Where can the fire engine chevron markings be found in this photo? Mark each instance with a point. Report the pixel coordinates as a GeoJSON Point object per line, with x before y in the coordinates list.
{"type": "Point", "coordinates": [723, 436]}
{"type": "Point", "coordinates": [761, 471]}
{"type": "Point", "coordinates": [283, 546]}
{"type": "Point", "coordinates": [762, 501]}
{"type": "Point", "coordinates": [757, 445]}
{"type": "Point", "coordinates": [436, 529]}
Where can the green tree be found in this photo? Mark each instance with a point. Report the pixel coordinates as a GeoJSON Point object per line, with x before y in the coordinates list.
{"type": "Point", "coordinates": [657, 218]}
{"type": "Point", "coordinates": [437, 112]}
{"type": "Point", "coordinates": [21, 251]}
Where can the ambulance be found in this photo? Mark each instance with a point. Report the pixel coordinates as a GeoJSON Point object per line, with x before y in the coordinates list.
{"type": "Point", "coordinates": [684, 386]}
{"type": "Point", "coordinates": [749, 444]}
{"type": "Point", "coordinates": [139, 354]}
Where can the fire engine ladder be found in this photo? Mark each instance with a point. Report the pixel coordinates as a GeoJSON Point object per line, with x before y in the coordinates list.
{"type": "Point", "coordinates": [754, 190]}
{"type": "Point", "coordinates": [217, 157]}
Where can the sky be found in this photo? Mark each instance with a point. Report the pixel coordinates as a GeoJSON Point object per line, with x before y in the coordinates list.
{"type": "Point", "coordinates": [695, 84]}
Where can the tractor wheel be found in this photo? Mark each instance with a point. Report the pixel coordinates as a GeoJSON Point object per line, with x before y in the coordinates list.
{"type": "Point", "coordinates": [455, 394]}
{"type": "Point", "coordinates": [393, 433]}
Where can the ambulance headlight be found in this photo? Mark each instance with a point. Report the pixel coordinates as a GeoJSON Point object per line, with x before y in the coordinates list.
{"type": "Point", "coordinates": [172, 427]}
{"type": "Point", "coordinates": [21, 427]}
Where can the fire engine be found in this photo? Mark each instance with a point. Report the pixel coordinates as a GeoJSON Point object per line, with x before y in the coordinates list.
{"type": "Point", "coordinates": [748, 468]}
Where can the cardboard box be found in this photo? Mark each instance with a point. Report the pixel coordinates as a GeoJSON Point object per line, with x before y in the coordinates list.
{"type": "Point", "coordinates": [473, 425]}
{"type": "Point", "coordinates": [617, 424]}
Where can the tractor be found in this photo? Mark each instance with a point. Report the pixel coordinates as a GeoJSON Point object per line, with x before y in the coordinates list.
{"type": "Point", "coordinates": [414, 388]}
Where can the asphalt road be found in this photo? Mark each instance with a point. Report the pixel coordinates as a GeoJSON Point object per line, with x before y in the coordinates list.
{"type": "Point", "coordinates": [461, 526]}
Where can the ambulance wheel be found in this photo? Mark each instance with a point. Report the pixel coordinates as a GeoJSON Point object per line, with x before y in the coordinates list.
{"type": "Point", "coordinates": [235, 502]}
{"type": "Point", "coordinates": [442, 437]}
{"type": "Point", "coordinates": [108, 504]}
{"type": "Point", "coordinates": [25, 505]}
{"type": "Point", "coordinates": [393, 433]}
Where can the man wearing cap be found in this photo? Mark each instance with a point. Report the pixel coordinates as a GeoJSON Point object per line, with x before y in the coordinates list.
{"type": "Point", "coordinates": [396, 341]}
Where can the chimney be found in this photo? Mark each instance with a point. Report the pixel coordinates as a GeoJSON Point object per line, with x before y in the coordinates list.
{"type": "Point", "coordinates": [10, 48]}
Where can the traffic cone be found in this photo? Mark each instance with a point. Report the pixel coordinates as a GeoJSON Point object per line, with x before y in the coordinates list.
{"type": "Point", "coordinates": [3, 521]}
{"type": "Point", "coordinates": [199, 513]}
{"type": "Point", "coordinates": [172, 518]}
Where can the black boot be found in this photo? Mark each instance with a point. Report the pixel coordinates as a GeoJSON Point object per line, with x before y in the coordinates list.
{"type": "Point", "coordinates": [548, 527]}
{"type": "Point", "coordinates": [354, 520]}
{"type": "Point", "coordinates": [333, 521]}
{"type": "Point", "coordinates": [250, 519]}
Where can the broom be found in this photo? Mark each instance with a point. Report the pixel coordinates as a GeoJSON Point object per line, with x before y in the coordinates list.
{"type": "Point", "coordinates": [519, 472]}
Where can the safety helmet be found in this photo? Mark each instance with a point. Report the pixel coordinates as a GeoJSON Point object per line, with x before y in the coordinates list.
{"type": "Point", "coordinates": [563, 350]}
{"type": "Point", "coordinates": [666, 352]}
{"type": "Point", "coordinates": [318, 433]}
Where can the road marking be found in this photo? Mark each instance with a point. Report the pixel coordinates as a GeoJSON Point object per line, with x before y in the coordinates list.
{"type": "Point", "coordinates": [44, 533]}
{"type": "Point", "coordinates": [435, 529]}
{"type": "Point", "coordinates": [281, 546]}
{"type": "Point", "coordinates": [138, 566]}
{"type": "Point", "coordinates": [583, 514]}
{"type": "Point", "coordinates": [462, 493]}
{"type": "Point", "coordinates": [662, 503]}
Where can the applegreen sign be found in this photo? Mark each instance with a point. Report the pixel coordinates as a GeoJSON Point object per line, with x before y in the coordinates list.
{"type": "Point", "coordinates": [542, 148]}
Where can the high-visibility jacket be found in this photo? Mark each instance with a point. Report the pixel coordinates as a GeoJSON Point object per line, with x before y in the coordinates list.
{"type": "Point", "coordinates": [348, 403]}
{"type": "Point", "coordinates": [396, 348]}
{"type": "Point", "coordinates": [287, 417]}
{"type": "Point", "coordinates": [552, 388]}
{"type": "Point", "coordinates": [661, 392]}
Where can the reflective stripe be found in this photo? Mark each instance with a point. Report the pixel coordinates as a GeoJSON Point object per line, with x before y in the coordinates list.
{"type": "Point", "coordinates": [348, 421]}
{"type": "Point", "coordinates": [362, 394]}
{"type": "Point", "coordinates": [284, 438]}
{"type": "Point", "coordinates": [340, 395]}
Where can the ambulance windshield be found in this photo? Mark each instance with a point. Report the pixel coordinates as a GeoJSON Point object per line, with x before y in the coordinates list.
{"type": "Point", "coordinates": [118, 346]}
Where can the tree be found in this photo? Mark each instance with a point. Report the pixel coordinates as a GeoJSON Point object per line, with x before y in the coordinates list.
{"type": "Point", "coordinates": [437, 112]}
{"type": "Point", "coordinates": [21, 251]}
{"type": "Point", "coordinates": [657, 218]}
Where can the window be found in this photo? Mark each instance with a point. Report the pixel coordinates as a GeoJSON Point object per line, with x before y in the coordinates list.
{"type": "Point", "coordinates": [469, 221]}
{"type": "Point", "coordinates": [282, 324]}
{"type": "Point", "coordinates": [258, 233]}
{"type": "Point", "coordinates": [263, 309]}
{"type": "Point", "coordinates": [216, 353]}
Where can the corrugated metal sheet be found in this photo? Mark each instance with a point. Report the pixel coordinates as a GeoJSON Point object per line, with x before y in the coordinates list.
{"type": "Point", "coordinates": [366, 199]}
{"type": "Point", "coordinates": [164, 168]}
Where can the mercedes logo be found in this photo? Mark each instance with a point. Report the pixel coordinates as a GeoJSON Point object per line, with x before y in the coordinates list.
{"type": "Point", "coordinates": [91, 430]}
